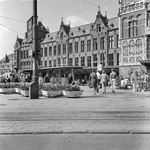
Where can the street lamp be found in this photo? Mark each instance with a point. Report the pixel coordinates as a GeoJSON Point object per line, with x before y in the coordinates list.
{"type": "Point", "coordinates": [34, 86]}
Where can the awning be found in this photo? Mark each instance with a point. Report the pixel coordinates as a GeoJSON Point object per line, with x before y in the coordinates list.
{"type": "Point", "coordinates": [145, 62]}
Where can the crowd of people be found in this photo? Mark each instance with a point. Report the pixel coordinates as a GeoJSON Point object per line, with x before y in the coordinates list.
{"type": "Point", "coordinates": [97, 79]}
{"type": "Point", "coordinates": [102, 80]}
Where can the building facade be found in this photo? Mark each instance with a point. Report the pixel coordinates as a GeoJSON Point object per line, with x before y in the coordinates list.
{"type": "Point", "coordinates": [6, 64]}
{"type": "Point", "coordinates": [134, 32]}
{"type": "Point", "coordinates": [76, 50]}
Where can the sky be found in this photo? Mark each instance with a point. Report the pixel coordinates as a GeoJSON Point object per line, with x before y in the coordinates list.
{"type": "Point", "coordinates": [15, 13]}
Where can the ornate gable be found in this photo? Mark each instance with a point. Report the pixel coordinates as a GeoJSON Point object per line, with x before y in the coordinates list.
{"type": "Point", "coordinates": [101, 21]}
{"type": "Point", "coordinates": [18, 42]}
{"type": "Point", "coordinates": [63, 31]}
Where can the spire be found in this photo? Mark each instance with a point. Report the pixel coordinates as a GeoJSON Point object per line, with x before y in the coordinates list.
{"type": "Point", "coordinates": [62, 22]}
{"type": "Point", "coordinates": [99, 11]}
{"type": "Point", "coordinates": [6, 60]}
{"type": "Point", "coordinates": [106, 13]}
{"type": "Point", "coordinates": [69, 24]}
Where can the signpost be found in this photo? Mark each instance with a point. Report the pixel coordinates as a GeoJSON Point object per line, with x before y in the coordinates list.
{"type": "Point", "coordinates": [30, 30]}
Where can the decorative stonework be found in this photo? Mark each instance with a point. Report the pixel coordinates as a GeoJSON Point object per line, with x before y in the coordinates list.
{"type": "Point", "coordinates": [132, 52]}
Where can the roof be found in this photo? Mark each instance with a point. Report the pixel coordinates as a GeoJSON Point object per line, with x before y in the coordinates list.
{"type": "Point", "coordinates": [113, 23]}
{"type": "Point", "coordinates": [81, 30]}
{"type": "Point", "coordinates": [50, 37]}
{"type": "Point", "coordinates": [7, 58]}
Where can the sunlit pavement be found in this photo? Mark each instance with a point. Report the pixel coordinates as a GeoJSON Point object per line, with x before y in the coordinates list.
{"type": "Point", "coordinates": [124, 112]}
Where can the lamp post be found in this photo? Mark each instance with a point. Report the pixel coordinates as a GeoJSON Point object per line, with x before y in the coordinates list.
{"type": "Point", "coordinates": [34, 86]}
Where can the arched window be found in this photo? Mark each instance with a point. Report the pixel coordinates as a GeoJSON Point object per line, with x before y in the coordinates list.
{"type": "Point", "coordinates": [140, 25]}
{"type": "Point", "coordinates": [124, 28]}
{"type": "Point", "coordinates": [132, 27]}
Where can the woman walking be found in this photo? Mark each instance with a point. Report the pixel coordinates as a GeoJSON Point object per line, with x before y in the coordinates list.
{"type": "Point", "coordinates": [93, 81]}
{"type": "Point", "coordinates": [104, 79]}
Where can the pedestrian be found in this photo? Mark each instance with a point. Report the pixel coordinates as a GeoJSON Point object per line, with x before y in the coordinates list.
{"type": "Point", "coordinates": [41, 80]}
{"type": "Point", "coordinates": [98, 80]}
{"type": "Point", "coordinates": [46, 78]}
{"type": "Point", "coordinates": [146, 78]}
{"type": "Point", "coordinates": [93, 81]}
{"type": "Point", "coordinates": [104, 80]}
{"type": "Point", "coordinates": [70, 78]}
{"type": "Point", "coordinates": [113, 76]}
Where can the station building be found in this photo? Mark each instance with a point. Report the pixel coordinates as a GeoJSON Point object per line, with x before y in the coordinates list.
{"type": "Point", "coordinates": [72, 50]}
{"type": "Point", "coordinates": [134, 35]}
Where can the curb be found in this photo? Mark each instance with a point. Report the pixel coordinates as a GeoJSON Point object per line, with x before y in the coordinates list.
{"type": "Point", "coordinates": [71, 132]}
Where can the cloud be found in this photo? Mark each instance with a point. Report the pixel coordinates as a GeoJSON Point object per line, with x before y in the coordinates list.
{"type": "Point", "coordinates": [75, 21]}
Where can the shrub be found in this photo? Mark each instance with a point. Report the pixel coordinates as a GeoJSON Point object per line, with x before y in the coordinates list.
{"type": "Point", "coordinates": [24, 86]}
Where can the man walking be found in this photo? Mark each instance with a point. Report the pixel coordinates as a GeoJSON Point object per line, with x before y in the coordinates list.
{"type": "Point", "coordinates": [98, 80]}
{"type": "Point", "coordinates": [104, 79]}
{"type": "Point", "coordinates": [113, 76]}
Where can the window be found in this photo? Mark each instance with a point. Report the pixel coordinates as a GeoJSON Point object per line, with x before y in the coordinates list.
{"type": "Point", "coordinates": [140, 25]}
{"type": "Point", "coordinates": [82, 61]}
{"type": "Point", "coordinates": [64, 48]}
{"type": "Point", "coordinates": [70, 61]}
{"type": "Point", "coordinates": [21, 54]}
{"type": "Point", "coordinates": [59, 61]}
{"type": "Point", "coordinates": [41, 51]}
{"type": "Point", "coordinates": [102, 43]}
{"type": "Point", "coordinates": [70, 48]}
{"type": "Point", "coordinates": [102, 59]}
{"type": "Point", "coordinates": [118, 59]}
{"type": "Point", "coordinates": [41, 63]}
{"type": "Point", "coordinates": [132, 27]}
{"type": "Point", "coordinates": [61, 35]}
{"type": "Point", "coordinates": [59, 49]}
{"type": "Point", "coordinates": [82, 46]}
{"type": "Point", "coordinates": [76, 61]}
{"type": "Point", "coordinates": [54, 50]}
{"type": "Point", "coordinates": [111, 59]}
{"type": "Point", "coordinates": [111, 42]}
{"type": "Point", "coordinates": [76, 47]}
{"type": "Point", "coordinates": [148, 18]}
{"type": "Point", "coordinates": [117, 41]}
{"type": "Point", "coordinates": [27, 53]}
{"type": "Point", "coordinates": [89, 61]}
{"type": "Point", "coordinates": [54, 63]}
{"type": "Point", "coordinates": [98, 28]}
{"type": "Point", "coordinates": [64, 61]}
{"type": "Point", "coordinates": [45, 63]}
{"type": "Point", "coordinates": [50, 63]}
{"type": "Point", "coordinates": [88, 45]}
{"type": "Point", "coordinates": [94, 44]}
{"type": "Point", "coordinates": [45, 51]}
{"type": "Point", "coordinates": [94, 60]}
{"type": "Point", "coordinates": [50, 51]}
{"type": "Point", "coordinates": [124, 28]}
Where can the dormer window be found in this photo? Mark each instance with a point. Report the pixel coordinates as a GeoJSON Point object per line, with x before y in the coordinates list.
{"type": "Point", "coordinates": [61, 35]}
{"type": "Point", "coordinates": [98, 28]}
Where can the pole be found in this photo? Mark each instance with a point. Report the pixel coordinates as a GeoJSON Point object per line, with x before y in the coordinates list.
{"type": "Point", "coordinates": [34, 86]}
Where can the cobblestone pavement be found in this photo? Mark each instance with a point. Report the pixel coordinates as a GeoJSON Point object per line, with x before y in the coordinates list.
{"type": "Point", "coordinates": [123, 112]}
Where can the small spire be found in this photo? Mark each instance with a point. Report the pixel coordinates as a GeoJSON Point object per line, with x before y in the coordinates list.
{"type": "Point", "coordinates": [106, 13]}
{"type": "Point", "coordinates": [99, 11]}
{"type": "Point", "coordinates": [61, 20]}
{"type": "Point", "coordinates": [99, 8]}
